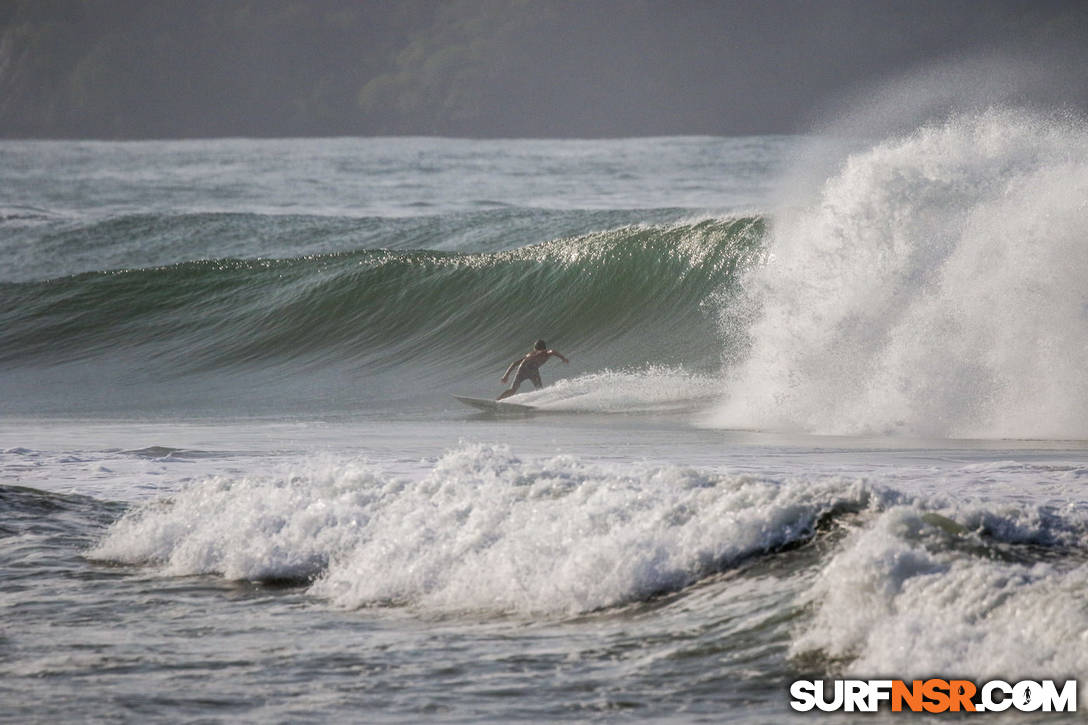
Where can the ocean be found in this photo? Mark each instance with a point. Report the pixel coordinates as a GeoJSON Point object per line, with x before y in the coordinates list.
{"type": "Point", "coordinates": [825, 417]}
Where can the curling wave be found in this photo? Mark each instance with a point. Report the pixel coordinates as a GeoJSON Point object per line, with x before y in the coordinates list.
{"type": "Point", "coordinates": [634, 294]}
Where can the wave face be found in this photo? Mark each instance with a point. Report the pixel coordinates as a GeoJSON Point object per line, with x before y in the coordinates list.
{"type": "Point", "coordinates": [935, 288]}
{"type": "Point", "coordinates": [630, 296]}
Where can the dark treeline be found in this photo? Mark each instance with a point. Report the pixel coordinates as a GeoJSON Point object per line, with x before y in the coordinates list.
{"type": "Point", "coordinates": [164, 68]}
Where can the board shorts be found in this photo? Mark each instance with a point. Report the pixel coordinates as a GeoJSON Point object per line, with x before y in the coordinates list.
{"type": "Point", "coordinates": [526, 374]}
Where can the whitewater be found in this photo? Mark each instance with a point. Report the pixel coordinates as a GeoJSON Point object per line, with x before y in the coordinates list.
{"type": "Point", "coordinates": [824, 418]}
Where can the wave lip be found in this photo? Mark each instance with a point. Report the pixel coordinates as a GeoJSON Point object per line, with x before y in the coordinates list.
{"type": "Point", "coordinates": [47, 246]}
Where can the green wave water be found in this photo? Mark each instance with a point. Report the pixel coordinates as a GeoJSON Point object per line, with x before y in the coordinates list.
{"type": "Point", "coordinates": [628, 296]}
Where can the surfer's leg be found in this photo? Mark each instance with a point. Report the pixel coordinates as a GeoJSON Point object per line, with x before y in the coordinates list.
{"type": "Point", "coordinates": [535, 377]}
{"type": "Point", "coordinates": [511, 390]}
{"type": "Point", "coordinates": [521, 376]}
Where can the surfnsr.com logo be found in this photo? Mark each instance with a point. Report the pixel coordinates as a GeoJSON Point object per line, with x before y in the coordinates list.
{"type": "Point", "coordinates": [933, 695]}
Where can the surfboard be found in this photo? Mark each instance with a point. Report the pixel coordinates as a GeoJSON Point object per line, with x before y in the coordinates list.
{"type": "Point", "coordinates": [494, 406]}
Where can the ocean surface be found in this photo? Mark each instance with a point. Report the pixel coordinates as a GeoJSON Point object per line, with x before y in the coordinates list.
{"type": "Point", "coordinates": [825, 416]}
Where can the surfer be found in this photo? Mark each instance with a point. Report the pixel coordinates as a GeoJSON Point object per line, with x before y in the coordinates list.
{"type": "Point", "coordinates": [529, 367]}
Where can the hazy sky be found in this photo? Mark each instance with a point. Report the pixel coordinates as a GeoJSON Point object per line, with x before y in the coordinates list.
{"type": "Point", "coordinates": [159, 68]}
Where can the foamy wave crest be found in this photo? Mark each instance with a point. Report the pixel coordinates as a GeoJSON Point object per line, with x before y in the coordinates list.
{"type": "Point", "coordinates": [483, 530]}
{"type": "Point", "coordinates": [935, 288]}
{"type": "Point", "coordinates": [249, 528]}
{"type": "Point", "coordinates": [920, 592]}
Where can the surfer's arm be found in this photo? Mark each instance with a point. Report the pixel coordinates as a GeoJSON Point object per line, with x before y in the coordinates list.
{"type": "Point", "coordinates": [558, 355]}
{"type": "Point", "coordinates": [511, 368]}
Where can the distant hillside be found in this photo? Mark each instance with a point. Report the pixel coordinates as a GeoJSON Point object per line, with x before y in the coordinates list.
{"type": "Point", "coordinates": [169, 68]}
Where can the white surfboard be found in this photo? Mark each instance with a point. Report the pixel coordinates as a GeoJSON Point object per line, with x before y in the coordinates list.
{"type": "Point", "coordinates": [495, 406]}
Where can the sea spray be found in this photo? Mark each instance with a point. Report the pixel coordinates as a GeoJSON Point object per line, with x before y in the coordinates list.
{"type": "Point", "coordinates": [651, 388]}
{"type": "Point", "coordinates": [935, 288]}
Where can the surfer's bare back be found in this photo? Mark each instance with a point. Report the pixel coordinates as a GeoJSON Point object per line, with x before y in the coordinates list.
{"type": "Point", "coordinates": [529, 367]}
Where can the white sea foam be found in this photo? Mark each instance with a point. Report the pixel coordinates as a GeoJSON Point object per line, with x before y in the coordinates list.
{"type": "Point", "coordinates": [484, 530]}
{"type": "Point", "coordinates": [250, 528]}
{"type": "Point", "coordinates": [935, 288]}
{"type": "Point", "coordinates": [918, 594]}
{"type": "Point", "coordinates": [655, 388]}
